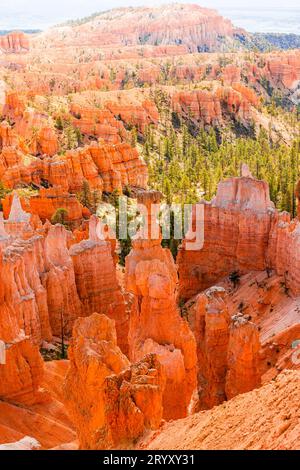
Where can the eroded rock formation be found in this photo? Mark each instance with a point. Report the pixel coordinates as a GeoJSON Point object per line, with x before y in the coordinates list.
{"type": "Point", "coordinates": [105, 167]}
{"type": "Point", "coordinates": [24, 298]}
{"type": "Point", "coordinates": [242, 232]}
{"type": "Point", "coordinates": [243, 356]}
{"type": "Point", "coordinates": [111, 402]}
{"type": "Point", "coordinates": [190, 27]}
{"type": "Point", "coordinates": [15, 42]}
{"type": "Point", "coordinates": [27, 414]}
{"type": "Point", "coordinates": [48, 280]}
{"type": "Point", "coordinates": [228, 347]}
{"type": "Point", "coordinates": [74, 116]}
{"type": "Point", "coordinates": [97, 283]}
{"type": "Point", "coordinates": [64, 304]}
{"type": "Point", "coordinates": [155, 322]}
{"type": "Point", "coordinates": [209, 318]}
{"type": "Point", "coordinates": [48, 201]}
{"type": "Point", "coordinates": [22, 372]}
{"type": "Point", "coordinates": [214, 106]}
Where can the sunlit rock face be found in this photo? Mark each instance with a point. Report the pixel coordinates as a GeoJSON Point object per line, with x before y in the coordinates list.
{"type": "Point", "coordinates": [228, 347]}
{"type": "Point", "coordinates": [49, 280]}
{"type": "Point", "coordinates": [243, 357]}
{"type": "Point", "coordinates": [97, 284]}
{"type": "Point", "coordinates": [104, 166]}
{"type": "Point", "coordinates": [209, 318]}
{"type": "Point", "coordinates": [210, 107]}
{"type": "Point", "coordinates": [155, 322]}
{"type": "Point", "coordinates": [15, 42]}
{"type": "Point", "coordinates": [21, 367]}
{"type": "Point", "coordinates": [187, 26]}
{"type": "Point", "coordinates": [111, 402]}
{"type": "Point", "coordinates": [81, 107]}
{"type": "Point", "coordinates": [242, 232]}
{"type": "Point", "coordinates": [21, 375]}
{"type": "Point", "coordinates": [23, 296]}
{"type": "Point", "coordinates": [284, 69]}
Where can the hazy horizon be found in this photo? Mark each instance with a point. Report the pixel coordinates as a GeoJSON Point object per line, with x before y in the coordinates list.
{"type": "Point", "coordinates": [271, 17]}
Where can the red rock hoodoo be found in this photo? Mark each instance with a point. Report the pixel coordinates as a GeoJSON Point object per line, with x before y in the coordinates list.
{"type": "Point", "coordinates": [242, 232]}
{"type": "Point", "coordinates": [97, 284]}
{"type": "Point", "coordinates": [155, 322]}
{"type": "Point", "coordinates": [122, 399]}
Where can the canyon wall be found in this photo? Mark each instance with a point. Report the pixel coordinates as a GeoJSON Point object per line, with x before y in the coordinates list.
{"type": "Point", "coordinates": [188, 27]}
{"type": "Point", "coordinates": [244, 333]}
{"type": "Point", "coordinates": [15, 42]}
{"type": "Point", "coordinates": [242, 232]}
{"type": "Point", "coordinates": [97, 284]}
{"type": "Point", "coordinates": [47, 283]}
{"type": "Point", "coordinates": [106, 167]}
{"type": "Point", "coordinates": [250, 421]}
{"type": "Point", "coordinates": [228, 347]}
{"type": "Point", "coordinates": [213, 107]}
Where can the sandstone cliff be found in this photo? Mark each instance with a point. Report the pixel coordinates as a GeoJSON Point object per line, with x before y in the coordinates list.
{"type": "Point", "coordinates": [155, 322]}
{"type": "Point", "coordinates": [216, 106]}
{"type": "Point", "coordinates": [46, 286]}
{"type": "Point", "coordinates": [97, 284]}
{"type": "Point", "coordinates": [111, 402]}
{"type": "Point", "coordinates": [195, 28]}
{"type": "Point", "coordinates": [242, 232]}
{"type": "Point", "coordinates": [15, 42]}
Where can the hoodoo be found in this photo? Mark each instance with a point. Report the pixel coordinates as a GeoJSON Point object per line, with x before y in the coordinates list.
{"type": "Point", "coordinates": [155, 322]}
{"type": "Point", "coordinates": [123, 400]}
{"type": "Point", "coordinates": [149, 232]}
{"type": "Point", "coordinates": [242, 231]}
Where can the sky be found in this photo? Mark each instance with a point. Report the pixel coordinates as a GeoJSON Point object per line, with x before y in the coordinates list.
{"type": "Point", "coordinates": [37, 14]}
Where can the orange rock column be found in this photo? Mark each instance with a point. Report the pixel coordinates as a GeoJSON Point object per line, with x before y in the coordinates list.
{"type": "Point", "coordinates": [111, 403]}
{"type": "Point", "coordinates": [155, 322]}
{"type": "Point", "coordinates": [243, 357]}
{"type": "Point", "coordinates": [209, 319]}
{"type": "Point", "coordinates": [97, 283]}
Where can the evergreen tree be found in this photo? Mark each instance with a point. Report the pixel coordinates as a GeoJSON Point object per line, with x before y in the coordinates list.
{"type": "Point", "coordinates": [60, 217]}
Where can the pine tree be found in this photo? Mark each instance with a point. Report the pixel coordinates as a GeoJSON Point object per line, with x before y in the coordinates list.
{"type": "Point", "coordinates": [60, 217]}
